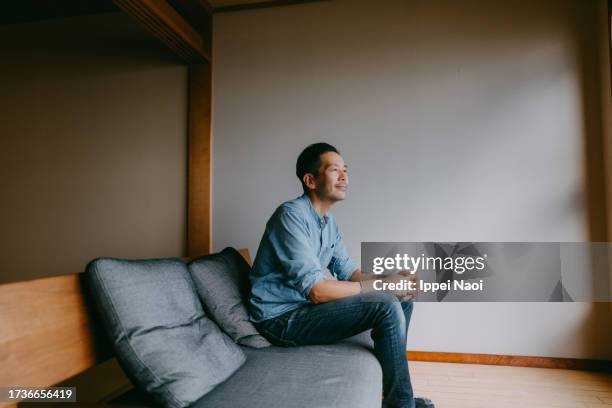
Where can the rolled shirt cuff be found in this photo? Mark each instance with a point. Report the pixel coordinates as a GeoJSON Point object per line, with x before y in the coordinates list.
{"type": "Point", "coordinates": [347, 270]}
{"type": "Point", "coordinates": [306, 284]}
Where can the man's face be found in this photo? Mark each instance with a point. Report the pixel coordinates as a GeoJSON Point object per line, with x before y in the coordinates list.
{"type": "Point", "coordinates": [332, 181]}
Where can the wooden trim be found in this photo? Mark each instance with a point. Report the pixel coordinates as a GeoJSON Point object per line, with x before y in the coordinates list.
{"type": "Point", "coordinates": [260, 5]}
{"type": "Point", "coordinates": [506, 360]}
{"type": "Point", "coordinates": [590, 74]}
{"type": "Point", "coordinates": [609, 36]}
{"type": "Point", "coordinates": [199, 177]}
{"type": "Point", "coordinates": [607, 134]}
{"type": "Point", "coordinates": [169, 26]}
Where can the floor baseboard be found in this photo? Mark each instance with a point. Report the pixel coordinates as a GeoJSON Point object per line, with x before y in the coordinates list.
{"type": "Point", "coordinates": [506, 360]}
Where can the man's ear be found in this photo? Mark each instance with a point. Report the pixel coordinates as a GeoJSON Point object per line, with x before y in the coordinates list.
{"type": "Point", "coordinates": [310, 181]}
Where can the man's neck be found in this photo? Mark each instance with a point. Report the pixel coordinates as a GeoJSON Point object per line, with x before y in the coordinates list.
{"type": "Point", "coordinates": [322, 207]}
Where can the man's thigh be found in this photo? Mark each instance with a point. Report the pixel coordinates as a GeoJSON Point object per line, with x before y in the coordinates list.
{"type": "Point", "coordinates": [330, 322]}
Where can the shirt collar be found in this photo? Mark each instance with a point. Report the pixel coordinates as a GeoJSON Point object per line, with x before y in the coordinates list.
{"type": "Point", "coordinates": [322, 221]}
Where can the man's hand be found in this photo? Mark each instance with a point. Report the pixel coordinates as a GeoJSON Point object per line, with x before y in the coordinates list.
{"type": "Point", "coordinates": [409, 277]}
{"type": "Point", "coordinates": [328, 290]}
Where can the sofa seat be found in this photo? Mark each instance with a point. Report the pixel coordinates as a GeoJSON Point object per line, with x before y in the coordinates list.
{"type": "Point", "coordinates": [345, 374]}
{"type": "Point", "coordinates": [341, 375]}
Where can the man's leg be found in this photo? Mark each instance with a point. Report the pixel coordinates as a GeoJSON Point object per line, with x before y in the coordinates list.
{"type": "Point", "coordinates": [333, 321]}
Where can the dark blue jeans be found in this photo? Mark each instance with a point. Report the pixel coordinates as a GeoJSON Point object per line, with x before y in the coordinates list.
{"type": "Point", "coordinates": [336, 320]}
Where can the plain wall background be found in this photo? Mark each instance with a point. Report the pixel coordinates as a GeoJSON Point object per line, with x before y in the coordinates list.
{"type": "Point", "coordinates": [460, 121]}
{"type": "Point", "coordinates": [93, 145]}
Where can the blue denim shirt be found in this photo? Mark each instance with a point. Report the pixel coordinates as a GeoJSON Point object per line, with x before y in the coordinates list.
{"type": "Point", "coordinates": [296, 248]}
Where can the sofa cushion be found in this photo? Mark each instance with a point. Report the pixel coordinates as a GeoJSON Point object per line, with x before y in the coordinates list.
{"type": "Point", "coordinates": [160, 334]}
{"type": "Point", "coordinates": [341, 375]}
{"type": "Point", "coordinates": [222, 281]}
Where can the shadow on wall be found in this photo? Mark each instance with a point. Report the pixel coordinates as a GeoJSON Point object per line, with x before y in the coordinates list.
{"type": "Point", "coordinates": [93, 149]}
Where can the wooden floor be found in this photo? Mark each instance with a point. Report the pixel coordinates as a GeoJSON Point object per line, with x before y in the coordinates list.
{"type": "Point", "coordinates": [479, 386]}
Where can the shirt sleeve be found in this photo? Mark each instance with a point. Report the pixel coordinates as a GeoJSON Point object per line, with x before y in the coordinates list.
{"type": "Point", "coordinates": [290, 241]}
{"type": "Point", "coordinates": [341, 264]}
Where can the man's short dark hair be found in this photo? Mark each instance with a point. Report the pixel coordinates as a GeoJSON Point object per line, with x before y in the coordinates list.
{"type": "Point", "coordinates": [309, 160]}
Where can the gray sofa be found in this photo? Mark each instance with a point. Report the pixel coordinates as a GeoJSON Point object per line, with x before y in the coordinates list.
{"type": "Point", "coordinates": [182, 335]}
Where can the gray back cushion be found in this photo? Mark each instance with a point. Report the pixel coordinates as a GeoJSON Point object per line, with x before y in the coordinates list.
{"type": "Point", "coordinates": [222, 281]}
{"type": "Point", "coordinates": [160, 334]}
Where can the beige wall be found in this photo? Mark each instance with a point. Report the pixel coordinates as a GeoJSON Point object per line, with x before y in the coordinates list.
{"type": "Point", "coordinates": [92, 145]}
{"type": "Point", "coordinates": [460, 121]}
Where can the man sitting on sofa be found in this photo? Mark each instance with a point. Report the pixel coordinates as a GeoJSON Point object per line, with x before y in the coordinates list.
{"type": "Point", "coordinates": [292, 301]}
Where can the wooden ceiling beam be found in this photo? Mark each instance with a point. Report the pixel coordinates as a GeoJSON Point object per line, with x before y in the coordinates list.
{"type": "Point", "coordinates": [260, 5]}
{"type": "Point", "coordinates": [198, 14]}
{"type": "Point", "coordinates": [163, 21]}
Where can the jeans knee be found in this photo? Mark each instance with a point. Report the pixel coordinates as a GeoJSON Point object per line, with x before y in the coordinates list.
{"type": "Point", "coordinates": [380, 297]}
{"type": "Point", "coordinates": [387, 307]}
{"type": "Point", "coordinates": [393, 311]}
{"type": "Point", "coordinates": [408, 306]}
{"type": "Point", "coordinates": [390, 320]}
